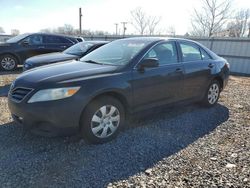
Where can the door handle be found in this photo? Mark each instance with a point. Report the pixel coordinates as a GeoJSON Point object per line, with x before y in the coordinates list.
{"type": "Point", "coordinates": [41, 47]}
{"type": "Point", "coordinates": [179, 70]}
{"type": "Point", "coordinates": [210, 65]}
{"type": "Point", "coordinates": [63, 46]}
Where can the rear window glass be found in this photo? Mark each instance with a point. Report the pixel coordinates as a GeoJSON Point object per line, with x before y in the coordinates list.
{"type": "Point", "coordinates": [55, 40]}
{"type": "Point", "coordinates": [190, 52]}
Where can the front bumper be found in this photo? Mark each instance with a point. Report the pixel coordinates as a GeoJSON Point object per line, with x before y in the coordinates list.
{"type": "Point", "coordinates": [50, 118]}
{"type": "Point", "coordinates": [28, 67]}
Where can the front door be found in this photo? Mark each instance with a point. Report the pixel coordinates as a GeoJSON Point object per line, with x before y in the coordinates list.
{"type": "Point", "coordinates": [31, 46]}
{"type": "Point", "coordinates": [162, 84]}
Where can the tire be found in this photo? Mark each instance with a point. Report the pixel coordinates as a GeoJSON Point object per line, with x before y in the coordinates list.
{"type": "Point", "coordinates": [102, 120]}
{"type": "Point", "coordinates": [8, 62]}
{"type": "Point", "coordinates": [212, 94]}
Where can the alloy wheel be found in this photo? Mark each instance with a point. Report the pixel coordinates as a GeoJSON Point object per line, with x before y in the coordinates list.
{"type": "Point", "coordinates": [105, 121]}
{"type": "Point", "coordinates": [8, 63]}
{"type": "Point", "coordinates": [213, 93]}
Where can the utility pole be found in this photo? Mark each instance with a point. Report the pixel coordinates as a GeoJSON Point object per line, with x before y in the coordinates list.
{"type": "Point", "coordinates": [116, 28]}
{"type": "Point", "coordinates": [124, 27]}
{"type": "Point", "coordinates": [80, 21]}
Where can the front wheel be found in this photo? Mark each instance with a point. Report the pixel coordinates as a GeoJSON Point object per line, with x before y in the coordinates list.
{"type": "Point", "coordinates": [8, 62]}
{"type": "Point", "coordinates": [212, 94]}
{"type": "Point", "coordinates": [102, 119]}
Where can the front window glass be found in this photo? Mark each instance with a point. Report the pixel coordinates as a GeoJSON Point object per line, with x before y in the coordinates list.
{"type": "Point", "coordinates": [34, 40]}
{"type": "Point", "coordinates": [165, 53]}
{"type": "Point", "coordinates": [78, 49]}
{"type": "Point", "coordinates": [119, 52]}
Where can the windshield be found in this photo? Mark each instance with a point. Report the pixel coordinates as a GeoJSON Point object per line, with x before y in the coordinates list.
{"type": "Point", "coordinates": [79, 48]}
{"type": "Point", "coordinates": [17, 38]}
{"type": "Point", "coordinates": [119, 52]}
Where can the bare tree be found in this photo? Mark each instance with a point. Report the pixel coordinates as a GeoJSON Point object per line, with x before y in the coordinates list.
{"type": "Point", "coordinates": [211, 17]}
{"type": "Point", "coordinates": [15, 32]}
{"type": "Point", "coordinates": [66, 29]}
{"type": "Point", "coordinates": [2, 30]}
{"type": "Point", "coordinates": [152, 22]}
{"type": "Point", "coordinates": [46, 30]}
{"type": "Point", "coordinates": [171, 30]}
{"type": "Point", "coordinates": [239, 26]}
{"type": "Point", "coordinates": [144, 23]}
{"type": "Point", "coordinates": [248, 30]}
{"type": "Point", "coordinates": [139, 20]}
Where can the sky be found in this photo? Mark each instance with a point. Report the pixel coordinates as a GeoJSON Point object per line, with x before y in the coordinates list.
{"type": "Point", "coordinates": [34, 15]}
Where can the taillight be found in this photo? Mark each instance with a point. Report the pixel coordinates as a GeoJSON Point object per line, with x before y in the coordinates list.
{"type": "Point", "coordinates": [227, 65]}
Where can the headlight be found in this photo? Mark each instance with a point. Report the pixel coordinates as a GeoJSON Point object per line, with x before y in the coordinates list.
{"type": "Point", "coordinates": [53, 94]}
{"type": "Point", "coordinates": [26, 65]}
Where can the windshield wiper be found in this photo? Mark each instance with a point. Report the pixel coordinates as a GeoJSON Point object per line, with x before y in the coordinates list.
{"type": "Point", "coordinates": [94, 62]}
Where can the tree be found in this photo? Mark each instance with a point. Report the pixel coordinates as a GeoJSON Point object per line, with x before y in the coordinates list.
{"type": "Point", "coordinates": [239, 26]}
{"type": "Point", "coordinates": [144, 23]}
{"type": "Point", "coordinates": [15, 32]}
{"type": "Point", "coordinates": [248, 30]}
{"type": "Point", "coordinates": [2, 30]}
{"type": "Point", "coordinates": [210, 19]}
{"type": "Point", "coordinates": [153, 21]}
{"type": "Point", "coordinates": [171, 30]}
{"type": "Point", "coordinates": [46, 30]}
{"type": "Point", "coordinates": [140, 20]}
{"type": "Point", "coordinates": [67, 29]}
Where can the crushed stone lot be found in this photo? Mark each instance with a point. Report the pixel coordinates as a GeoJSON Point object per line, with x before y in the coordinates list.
{"type": "Point", "coordinates": [188, 146]}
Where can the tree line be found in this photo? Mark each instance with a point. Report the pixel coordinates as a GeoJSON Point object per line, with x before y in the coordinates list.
{"type": "Point", "coordinates": [215, 18]}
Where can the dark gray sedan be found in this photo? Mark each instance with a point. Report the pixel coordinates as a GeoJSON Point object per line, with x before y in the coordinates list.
{"type": "Point", "coordinates": [74, 52]}
{"type": "Point", "coordinates": [94, 96]}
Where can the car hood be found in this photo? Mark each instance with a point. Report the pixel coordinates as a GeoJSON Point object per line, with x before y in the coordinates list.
{"type": "Point", "coordinates": [61, 72]}
{"type": "Point", "coordinates": [4, 44]}
{"type": "Point", "coordinates": [50, 58]}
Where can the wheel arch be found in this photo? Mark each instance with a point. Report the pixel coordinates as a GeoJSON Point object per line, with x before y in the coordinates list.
{"type": "Point", "coordinates": [115, 94]}
{"type": "Point", "coordinates": [220, 80]}
{"type": "Point", "coordinates": [12, 54]}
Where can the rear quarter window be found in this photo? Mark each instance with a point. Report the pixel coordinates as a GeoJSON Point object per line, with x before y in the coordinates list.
{"type": "Point", "coordinates": [204, 54]}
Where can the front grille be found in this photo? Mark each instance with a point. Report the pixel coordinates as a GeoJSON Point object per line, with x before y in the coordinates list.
{"type": "Point", "coordinates": [18, 94]}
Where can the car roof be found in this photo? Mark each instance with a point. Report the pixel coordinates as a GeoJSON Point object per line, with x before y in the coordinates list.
{"type": "Point", "coordinates": [96, 42]}
{"type": "Point", "coordinates": [93, 42]}
{"type": "Point", "coordinates": [155, 39]}
{"type": "Point", "coordinates": [53, 34]}
{"type": "Point", "coordinates": [150, 39]}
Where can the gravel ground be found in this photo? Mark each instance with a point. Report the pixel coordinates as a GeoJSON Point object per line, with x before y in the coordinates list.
{"type": "Point", "coordinates": [178, 147]}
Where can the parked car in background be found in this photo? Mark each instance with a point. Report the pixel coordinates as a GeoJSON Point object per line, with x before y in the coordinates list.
{"type": "Point", "coordinates": [17, 49]}
{"type": "Point", "coordinates": [74, 52]}
{"type": "Point", "coordinates": [94, 95]}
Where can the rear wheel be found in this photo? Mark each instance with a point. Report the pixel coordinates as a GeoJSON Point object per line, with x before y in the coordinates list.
{"type": "Point", "coordinates": [102, 119]}
{"type": "Point", "coordinates": [8, 62]}
{"type": "Point", "coordinates": [212, 94]}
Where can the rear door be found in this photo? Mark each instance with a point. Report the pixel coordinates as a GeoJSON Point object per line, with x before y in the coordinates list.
{"type": "Point", "coordinates": [56, 43]}
{"type": "Point", "coordinates": [162, 84]}
{"type": "Point", "coordinates": [198, 66]}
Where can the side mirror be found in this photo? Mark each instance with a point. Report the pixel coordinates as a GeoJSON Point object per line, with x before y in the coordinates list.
{"type": "Point", "coordinates": [25, 43]}
{"type": "Point", "coordinates": [148, 63]}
